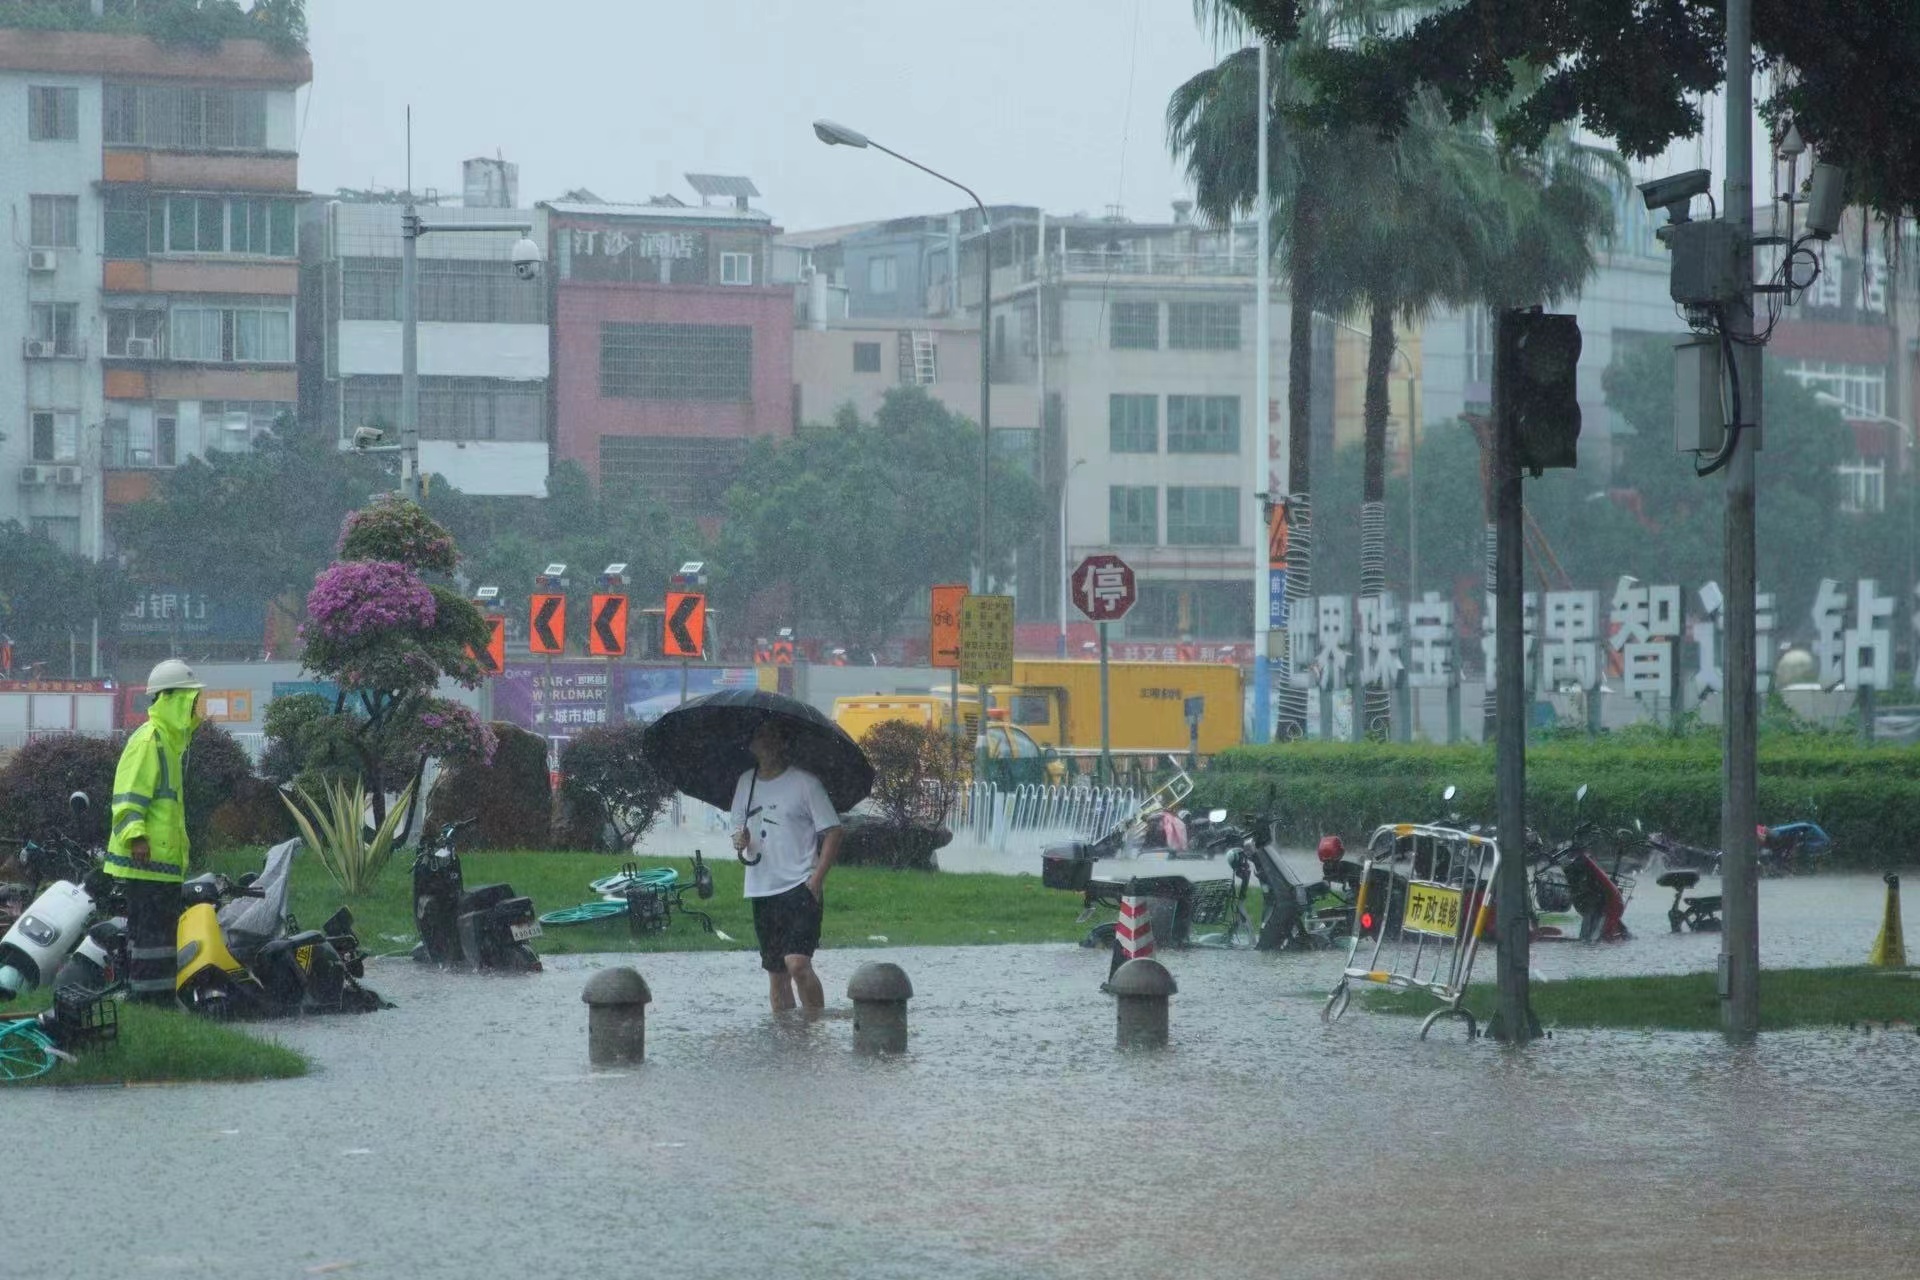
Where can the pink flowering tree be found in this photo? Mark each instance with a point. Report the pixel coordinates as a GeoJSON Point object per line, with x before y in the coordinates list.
{"type": "Point", "coordinates": [379, 629]}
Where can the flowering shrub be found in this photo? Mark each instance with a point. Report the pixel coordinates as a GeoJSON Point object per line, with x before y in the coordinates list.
{"type": "Point", "coordinates": [351, 598]}
{"type": "Point", "coordinates": [446, 730]}
{"type": "Point", "coordinates": [394, 529]}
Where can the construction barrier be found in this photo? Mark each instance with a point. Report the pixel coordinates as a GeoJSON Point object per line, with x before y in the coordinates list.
{"type": "Point", "coordinates": [1890, 945]}
{"type": "Point", "coordinates": [1425, 901]}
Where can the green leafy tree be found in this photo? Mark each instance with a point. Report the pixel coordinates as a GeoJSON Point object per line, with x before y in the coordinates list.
{"type": "Point", "coordinates": [857, 519]}
{"type": "Point", "coordinates": [49, 598]}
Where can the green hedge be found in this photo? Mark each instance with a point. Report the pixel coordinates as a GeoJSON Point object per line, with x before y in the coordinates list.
{"type": "Point", "coordinates": [1868, 799]}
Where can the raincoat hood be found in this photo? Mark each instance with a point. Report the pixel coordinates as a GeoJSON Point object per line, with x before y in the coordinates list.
{"type": "Point", "coordinates": [176, 714]}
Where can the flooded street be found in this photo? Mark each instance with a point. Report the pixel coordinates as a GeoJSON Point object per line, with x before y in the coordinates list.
{"type": "Point", "coordinates": [461, 1134]}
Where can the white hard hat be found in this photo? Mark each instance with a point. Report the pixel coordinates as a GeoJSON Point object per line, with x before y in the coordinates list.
{"type": "Point", "coordinates": [172, 673]}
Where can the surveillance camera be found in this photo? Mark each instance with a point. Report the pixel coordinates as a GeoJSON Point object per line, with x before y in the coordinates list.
{"type": "Point", "coordinates": [527, 259]}
{"type": "Point", "coordinates": [1675, 193]}
{"type": "Point", "coordinates": [367, 437]}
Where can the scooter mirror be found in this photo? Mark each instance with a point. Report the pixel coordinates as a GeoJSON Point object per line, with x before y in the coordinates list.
{"type": "Point", "coordinates": [1581, 794]}
{"type": "Point", "coordinates": [1449, 794]}
{"type": "Point", "coordinates": [79, 803]}
{"type": "Point", "coordinates": [1216, 816]}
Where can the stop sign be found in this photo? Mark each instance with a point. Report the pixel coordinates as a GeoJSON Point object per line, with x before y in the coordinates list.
{"type": "Point", "coordinates": [1103, 588]}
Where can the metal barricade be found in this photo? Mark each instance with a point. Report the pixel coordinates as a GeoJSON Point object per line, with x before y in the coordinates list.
{"type": "Point", "coordinates": [1428, 894]}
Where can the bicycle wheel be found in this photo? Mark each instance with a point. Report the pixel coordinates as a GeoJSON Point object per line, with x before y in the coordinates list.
{"type": "Point", "coordinates": [585, 912]}
{"type": "Point", "coordinates": [620, 882]}
{"type": "Point", "coordinates": [25, 1052]}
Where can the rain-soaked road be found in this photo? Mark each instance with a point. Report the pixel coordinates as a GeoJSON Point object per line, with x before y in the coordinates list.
{"type": "Point", "coordinates": [460, 1135]}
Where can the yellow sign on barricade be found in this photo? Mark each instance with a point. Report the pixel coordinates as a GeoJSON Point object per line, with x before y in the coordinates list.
{"type": "Point", "coordinates": [1425, 901]}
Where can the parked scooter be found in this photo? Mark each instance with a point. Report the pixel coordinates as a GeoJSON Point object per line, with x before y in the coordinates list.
{"type": "Point", "coordinates": [1792, 849]}
{"type": "Point", "coordinates": [62, 918]}
{"type": "Point", "coordinates": [242, 956]}
{"type": "Point", "coordinates": [1210, 835]}
{"type": "Point", "coordinates": [1675, 855]}
{"type": "Point", "coordinates": [1701, 914]}
{"type": "Point", "coordinates": [1599, 896]}
{"type": "Point", "coordinates": [485, 928]}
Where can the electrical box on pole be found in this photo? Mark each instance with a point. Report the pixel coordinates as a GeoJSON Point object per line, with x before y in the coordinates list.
{"type": "Point", "coordinates": [1538, 381]}
{"type": "Point", "coordinates": [1699, 420]}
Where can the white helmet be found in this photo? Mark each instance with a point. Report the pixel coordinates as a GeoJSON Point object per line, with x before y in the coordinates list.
{"type": "Point", "coordinates": [172, 673]}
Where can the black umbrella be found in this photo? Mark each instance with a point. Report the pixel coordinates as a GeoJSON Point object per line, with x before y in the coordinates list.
{"type": "Point", "coordinates": [701, 746]}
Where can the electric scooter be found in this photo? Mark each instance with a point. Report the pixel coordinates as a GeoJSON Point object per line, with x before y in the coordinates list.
{"type": "Point", "coordinates": [1700, 914]}
{"type": "Point", "coordinates": [61, 917]}
{"type": "Point", "coordinates": [485, 928]}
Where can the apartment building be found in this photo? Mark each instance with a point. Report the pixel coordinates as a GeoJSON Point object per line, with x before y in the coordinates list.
{"type": "Point", "coordinates": [483, 336]}
{"type": "Point", "coordinates": [153, 206]}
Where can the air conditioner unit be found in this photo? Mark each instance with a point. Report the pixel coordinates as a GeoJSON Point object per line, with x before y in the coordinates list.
{"type": "Point", "coordinates": [139, 348]}
{"type": "Point", "coordinates": [42, 260]}
{"type": "Point", "coordinates": [68, 476]}
{"type": "Point", "coordinates": [33, 475]}
{"type": "Point", "coordinates": [40, 349]}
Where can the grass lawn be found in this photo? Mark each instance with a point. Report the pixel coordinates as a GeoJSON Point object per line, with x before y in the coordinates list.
{"type": "Point", "coordinates": [1789, 998]}
{"type": "Point", "coordinates": [157, 1046]}
{"type": "Point", "coordinates": [865, 906]}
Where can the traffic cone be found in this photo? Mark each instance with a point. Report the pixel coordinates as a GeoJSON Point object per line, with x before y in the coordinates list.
{"type": "Point", "coordinates": [1890, 948]}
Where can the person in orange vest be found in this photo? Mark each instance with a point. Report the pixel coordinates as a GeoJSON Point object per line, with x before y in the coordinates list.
{"type": "Point", "coordinates": [147, 850]}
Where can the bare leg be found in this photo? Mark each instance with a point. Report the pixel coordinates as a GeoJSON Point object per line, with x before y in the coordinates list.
{"type": "Point", "coordinates": [806, 983]}
{"type": "Point", "coordinates": [780, 991]}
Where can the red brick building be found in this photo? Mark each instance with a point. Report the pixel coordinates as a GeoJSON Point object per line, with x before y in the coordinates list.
{"type": "Point", "coordinates": [671, 347]}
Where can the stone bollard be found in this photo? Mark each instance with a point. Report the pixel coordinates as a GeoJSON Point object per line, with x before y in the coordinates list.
{"type": "Point", "coordinates": [616, 1002]}
{"type": "Point", "coordinates": [1141, 989]}
{"type": "Point", "coordinates": [879, 993]}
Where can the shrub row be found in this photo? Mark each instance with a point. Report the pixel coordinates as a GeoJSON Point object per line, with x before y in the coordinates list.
{"type": "Point", "coordinates": [1868, 799]}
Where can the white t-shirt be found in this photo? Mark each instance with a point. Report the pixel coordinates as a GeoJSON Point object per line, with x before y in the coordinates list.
{"type": "Point", "coordinates": [784, 825]}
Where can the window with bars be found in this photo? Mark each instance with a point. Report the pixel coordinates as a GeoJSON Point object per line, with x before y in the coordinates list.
{"type": "Point", "coordinates": [676, 362]}
{"type": "Point", "coordinates": [1203, 326]}
{"type": "Point", "coordinates": [1203, 424]}
{"type": "Point", "coordinates": [241, 225]}
{"type": "Point", "coordinates": [687, 475]}
{"type": "Point", "coordinates": [1861, 388]}
{"type": "Point", "coordinates": [453, 408]}
{"type": "Point", "coordinates": [1133, 424]}
{"type": "Point", "coordinates": [57, 324]}
{"type": "Point", "coordinates": [1863, 485]}
{"type": "Point", "coordinates": [184, 119]}
{"type": "Point", "coordinates": [232, 333]}
{"type": "Point", "coordinates": [1133, 515]}
{"type": "Point", "coordinates": [136, 333]}
{"type": "Point", "coordinates": [1203, 516]}
{"type": "Point", "coordinates": [1134, 326]}
{"type": "Point", "coordinates": [53, 222]}
{"type": "Point", "coordinates": [53, 113]}
{"type": "Point", "coordinates": [144, 435]}
{"type": "Point", "coordinates": [56, 435]}
{"type": "Point", "coordinates": [457, 290]}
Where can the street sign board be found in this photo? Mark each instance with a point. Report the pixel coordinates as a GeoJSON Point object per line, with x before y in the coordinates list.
{"type": "Point", "coordinates": [944, 632]}
{"type": "Point", "coordinates": [607, 636]}
{"type": "Point", "coordinates": [494, 659]}
{"type": "Point", "coordinates": [1103, 588]}
{"type": "Point", "coordinates": [685, 632]}
{"type": "Point", "coordinates": [547, 624]}
{"type": "Point", "coordinates": [986, 640]}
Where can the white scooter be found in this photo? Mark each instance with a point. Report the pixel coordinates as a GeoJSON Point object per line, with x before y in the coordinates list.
{"type": "Point", "coordinates": [57, 925]}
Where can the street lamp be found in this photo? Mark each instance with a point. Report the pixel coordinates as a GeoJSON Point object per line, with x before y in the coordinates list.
{"type": "Point", "coordinates": [527, 262]}
{"type": "Point", "coordinates": [1064, 482]}
{"type": "Point", "coordinates": [839, 135]}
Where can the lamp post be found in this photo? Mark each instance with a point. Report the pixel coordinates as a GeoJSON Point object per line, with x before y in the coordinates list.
{"type": "Point", "coordinates": [838, 135]}
{"type": "Point", "coordinates": [527, 260]}
{"type": "Point", "coordinates": [1064, 482]}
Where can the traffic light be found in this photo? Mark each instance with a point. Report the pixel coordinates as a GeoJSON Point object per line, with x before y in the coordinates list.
{"type": "Point", "coordinates": [1537, 385]}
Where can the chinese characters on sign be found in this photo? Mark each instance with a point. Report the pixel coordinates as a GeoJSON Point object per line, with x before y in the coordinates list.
{"type": "Point", "coordinates": [1570, 652]}
{"type": "Point", "coordinates": [1430, 626]}
{"type": "Point", "coordinates": [1646, 635]}
{"type": "Point", "coordinates": [1381, 642]}
{"type": "Point", "coordinates": [986, 640]}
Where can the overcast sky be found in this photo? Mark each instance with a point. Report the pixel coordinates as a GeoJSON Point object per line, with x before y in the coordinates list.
{"type": "Point", "coordinates": [1057, 103]}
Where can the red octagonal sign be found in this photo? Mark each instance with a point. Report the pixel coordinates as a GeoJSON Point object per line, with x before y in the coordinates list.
{"type": "Point", "coordinates": [1103, 588]}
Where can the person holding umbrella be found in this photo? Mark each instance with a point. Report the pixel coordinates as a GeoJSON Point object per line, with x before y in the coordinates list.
{"type": "Point", "coordinates": [786, 832]}
{"type": "Point", "coordinates": [786, 772]}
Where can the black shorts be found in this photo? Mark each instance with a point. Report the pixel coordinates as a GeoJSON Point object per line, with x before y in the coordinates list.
{"type": "Point", "coordinates": [788, 924]}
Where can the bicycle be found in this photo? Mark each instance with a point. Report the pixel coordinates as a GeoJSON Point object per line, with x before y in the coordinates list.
{"type": "Point", "coordinates": [30, 1047]}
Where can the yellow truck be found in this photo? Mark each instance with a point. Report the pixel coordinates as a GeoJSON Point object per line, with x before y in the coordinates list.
{"type": "Point", "coordinates": [1014, 757]}
{"type": "Point", "coordinates": [1057, 705]}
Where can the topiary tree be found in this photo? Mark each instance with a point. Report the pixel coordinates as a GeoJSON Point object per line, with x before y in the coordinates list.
{"type": "Point", "coordinates": [508, 791]}
{"type": "Point", "coordinates": [915, 779]}
{"type": "Point", "coordinates": [609, 794]}
{"type": "Point", "coordinates": [386, 636]}
{"type": "Point", "coordinates": [41, 775]}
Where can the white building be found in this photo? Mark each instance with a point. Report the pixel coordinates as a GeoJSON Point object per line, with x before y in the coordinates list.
{"type": "Point", "coordinates": [147, 314]}
{"type": "Point", "coordinates": [483, 343]}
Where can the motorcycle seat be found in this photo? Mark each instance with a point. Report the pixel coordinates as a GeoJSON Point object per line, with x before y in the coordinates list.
{"type": "Point", "coordinates": [1705, 906]}
{"type": "Point", "coordinates": [484, 897]}
{"type": "Point", "coordinates": [1681, 880]}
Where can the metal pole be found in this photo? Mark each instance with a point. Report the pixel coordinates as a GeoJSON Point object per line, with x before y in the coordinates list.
{"type": "Point", "coordinates": [409, 354]}
{"type": "Point", "coordinates": [1106, 722]}
{"type": "Point", "coordinates": [1262, 466]}
{"type": "Point", "coordinates": [1740, 940]}
{"type": "Point", "coordinates": [986, 454]}
{"type": "Point", "coordinates": [1065, 480]}
{"type": "Point", "coordinates": [1514, 1021]}
{"type": "Point", "coordinates": [1412, 703]}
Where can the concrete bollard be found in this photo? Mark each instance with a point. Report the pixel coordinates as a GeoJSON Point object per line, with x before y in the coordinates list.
{"type": "Point", "coordinates": [616, 1001]}
{"type": "Point", "coordinates": [879, 993]}
{"type": "Point", "coordinates": [1141, 989]}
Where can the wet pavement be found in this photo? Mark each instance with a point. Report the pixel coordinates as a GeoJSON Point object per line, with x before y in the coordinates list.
{"type": "Point", "coordinates": [461, 1134]}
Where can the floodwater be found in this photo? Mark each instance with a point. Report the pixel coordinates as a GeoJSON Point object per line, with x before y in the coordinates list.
{"type": "Point", "coordinates": [461, 1134]}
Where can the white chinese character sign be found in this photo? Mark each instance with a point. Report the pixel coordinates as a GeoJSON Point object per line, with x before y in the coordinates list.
{"type": "Point", "coordinates": [1430, 629]}
{"type": "Point", "coordinates": [1570, 648]}
{"type": "Point", "coordinates": [1869, 641]}
{"type": "Point", "coordinates": [1709, 641]}
{"type": "Point", "coordinates": [1646, 633]}
{"type": "Point", "coordinates": [1103, 588]}
{"type": "Point", "coordinates": [1320, 636]}
{"type": "Point", "coordinates": [1829, 632]}
{"type": "Point", "coordinates": [1529, 624]}
{"type": "Point", "coordinates": [1381, 642]}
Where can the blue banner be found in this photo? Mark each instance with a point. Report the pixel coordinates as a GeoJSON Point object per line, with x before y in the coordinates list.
{"type": "Point", "coordinates": [1277, 599]}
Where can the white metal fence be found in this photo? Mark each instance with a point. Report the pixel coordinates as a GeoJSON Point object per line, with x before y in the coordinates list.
{"type": "Point", "coordinates": [992, 817]}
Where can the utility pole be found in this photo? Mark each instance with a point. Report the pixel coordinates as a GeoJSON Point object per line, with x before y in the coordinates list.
{"type": "Point", "coordinates": [1262, 466]}
{"type": "Point", "coordinates": [1740, 940]}
{"type": "Point", "coordinates": [1513, 1021]}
